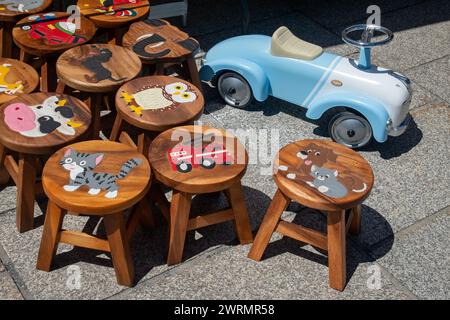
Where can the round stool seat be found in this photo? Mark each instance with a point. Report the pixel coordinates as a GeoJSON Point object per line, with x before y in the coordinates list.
{"type": "Point", "coordinates": [97, 67]}
{"type": "Point", "coordinates": [156, 40]}
{"type": "Point", "coordinates": [114, 13]}
{"type": "Point", "coordinates": [16, 78]}
{"type": "Point", "coordinates": [96, 177]}
{"type": "Point", "coordinates": [10, 10]}
{"type": "Point", "coordinates": [51, 32]}
{"type": "Point", "coordinates": [323, 175]}
{"type": "Point", "coordinates": [40, 123]}
{"type": "Point", "coordinates": [197, 159]}
{"type": "Point", "coordinates": [157, 103]}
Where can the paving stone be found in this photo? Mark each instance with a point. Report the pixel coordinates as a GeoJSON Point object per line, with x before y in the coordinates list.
{"type": "Point", "coordinates": [434, 76]}
{"type": "Point", "coordinates": [419, 257]}
{"type": "Point", "coordinates": [299, 24]}
{"type": "Point", "coordinates": [289, 271]}
{"type": "Point", "coordinates": [420, 35]}
{"type": "Point", "coordinates": [332, 14]}
{"type": "Point", "coordinates": [8, 289]}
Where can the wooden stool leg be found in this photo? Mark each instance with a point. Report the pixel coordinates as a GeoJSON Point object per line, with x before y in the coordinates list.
{"type": "Point", "coordinates": [26, 193]}
{"type": "Point", "coordinates": [355, 224]}
{"type": "Point", "coordinates": [193, 73]}
{"type": "Point", "coordinates": [143, 144]}
{"type": "Point", "coordinates": [179, 217]}
{"type": "Point", "coordinates": [95, 104]}
{"type": "Point", "coordinates": [7, 42]}
{"type": "Point", "coordinates": [336, 249]}
{"type": "Point", "coordinates": [4, 175]}
{"type": "Point", "coordinates": [269, 224]}
{"type": "Point", "coordinates": [48, 75]}
{"type": "Point", "coordinates": [117, 127]}
{"type": "Point", "coordinates": [60, 87]}
{"type": "Point", "coordinates": [237, 199]}
{"type": "Point", "coordinates": [120, 250]}
{"type": "Point", "coordinates": [49, 243]}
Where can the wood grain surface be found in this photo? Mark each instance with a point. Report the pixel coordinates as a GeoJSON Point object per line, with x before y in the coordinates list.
{"type": "Point", "coordinates": [323, 175]}
{"type": "Point", "coordinates": [97, 67]}
{"type": "Point", "coordinates": [216, 146]}
{"type": "Point", "coordinates": [157, 103]}
{"type": "Point", "coordinates": [16, 78]}
{"type": "Point", "coordinates": [131, 188]}
{"type": "Point", "coordinates": [11, 9]}
{"type": "Point", "coordinates": [41, 123]}
{"type": "Point", "coordinates": [114, 13]}
{"type": "Point", "coordinates": [156, 41]}
{"type": "Point", "coordinates": [53, 33]}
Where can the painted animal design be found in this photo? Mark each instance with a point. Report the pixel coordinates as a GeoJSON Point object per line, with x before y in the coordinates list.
{"type": "Point", "coordinates": [6, 87]}
{"type": "Point", "coordinates": [108, 7]}
{"type": "Point", "coordinates": [40, 120]}
{"type": "Point", "coordinates": [325, 180]}
{"type": "Point", "coordinates": [158, 44]}
{"type": "Point", "coordinates": [94, 63]}
{"type": "Point", "coordinates": [53, 31]}
{"type": "Point", "coordinates": [20, 5]}
{"type": "Point", "coordinates": [81, 166]}
{"type": "Point", "coordinates": [157, 98]}
{"type": "Point", "coordinates": [313, 169]}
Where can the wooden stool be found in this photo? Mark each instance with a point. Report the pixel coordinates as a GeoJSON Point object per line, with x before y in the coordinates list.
{"type": "Point", "coordinates": [157, 42]}
{"type": "Point", "coordinates": [154, 104]}
{"type": "Point", "coordinates": [114, 15]}
{"type": "Point", "coordinates": [10, 13]}
{"type": "Point", "coordinates": [36, 125]}
{"type": "Point", "coordinates": [96, 178]}
{"type": "Point", "coordinates": [16, 78]}
{"type": "Point", "coordinates": [325, 176]}
{"type": "Point", "coordinates": [194, 160]}
{"type": "Point", "coordinates": [46, 36]}
{"type": "Point", "coordinates": [98, 69]}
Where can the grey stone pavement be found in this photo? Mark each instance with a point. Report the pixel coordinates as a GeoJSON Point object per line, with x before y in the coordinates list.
{"type": "Point", "coordinates": [405, 221]}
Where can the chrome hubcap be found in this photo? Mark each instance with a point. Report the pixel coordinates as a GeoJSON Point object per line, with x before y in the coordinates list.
{"type": "Point", "coordinates": [351, 130]}
{"type": "Point", "coordinates": [234, 90]}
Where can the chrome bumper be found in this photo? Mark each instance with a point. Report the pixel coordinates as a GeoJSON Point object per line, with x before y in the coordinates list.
{"type": "Point", "coordinates": [399, 130]}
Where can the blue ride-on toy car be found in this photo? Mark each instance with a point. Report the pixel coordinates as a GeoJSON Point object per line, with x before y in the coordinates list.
{"type": "Point", "coordinates": [365, 100]}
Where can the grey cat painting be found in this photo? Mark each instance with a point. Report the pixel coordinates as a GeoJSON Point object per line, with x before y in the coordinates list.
{"type": "Point", "coordinates": [81, 166]}
{"type": "Point", "coordinates": [325, 180]}
{"type": "Point", "coordinates": [21, 5]}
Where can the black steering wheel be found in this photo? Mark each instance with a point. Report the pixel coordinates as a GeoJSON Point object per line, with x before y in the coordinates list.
{"type": "Point", "coordinates": [368, 32]}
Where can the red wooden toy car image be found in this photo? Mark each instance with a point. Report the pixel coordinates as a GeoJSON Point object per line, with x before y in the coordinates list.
{"type": "Point", "coordinates": [184, 157]}
{"type": "Point", "coordinates": [56, 31]}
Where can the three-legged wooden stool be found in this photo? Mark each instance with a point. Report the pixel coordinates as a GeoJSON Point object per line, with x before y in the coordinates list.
{"type": "Point", "coordinates": [154, 104]}
{"type": "Point", "coordinates": [194, 160]}
{"type": "Point", "coordinates": [32, 127]}
{"type": "Point", "coordinates": [95, 178]}
{"type": "Point", "coordinates": [325, 176]}
{"type": "Point", "coordinates": [10, 13]}
{"type": "Point", "coordinates": [46, 36]}
{"type": "Point", "coordinates": [98, 69]}
{"type": "Point", "coordinates": [159, 43]}
{"type": "Point", "coordinates": [114, 16]}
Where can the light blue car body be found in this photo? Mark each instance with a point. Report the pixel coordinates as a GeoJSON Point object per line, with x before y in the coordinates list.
{"type": "Point", "coordinates": [294, 80]}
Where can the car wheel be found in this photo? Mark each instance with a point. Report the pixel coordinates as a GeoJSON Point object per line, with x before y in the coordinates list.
{"type": "Point", "coordinates": [184, 167]}
{"type": "Point", "coordinates": [235, 90]}
{"type": "Point", "coordinates": [350, 129]}
{"type": "Point", "coordinates": [208, 163]}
